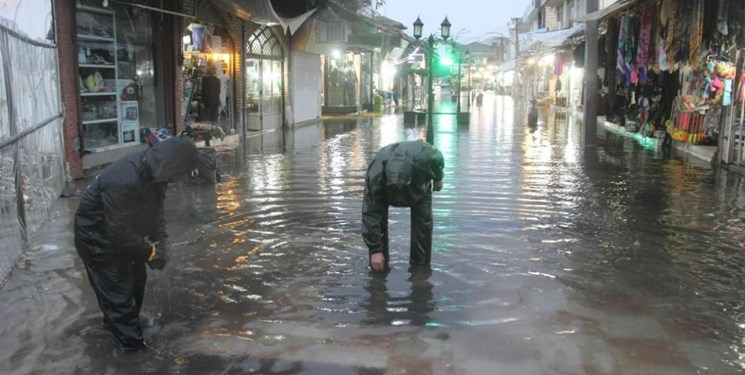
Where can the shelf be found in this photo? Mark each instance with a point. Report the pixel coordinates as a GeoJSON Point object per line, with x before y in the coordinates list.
{"type": "Point", "coordinates": [107, 93]}
{"type": "Point", "coordinates": [101, 121]}
{"type": "Point", "coordinates": [96, 37]}
{"type": "Point", "coordinates": [97, 51]}
{"type": "Point", "coordinates": [97, 66]}
{"type": "Point", "coordinates": [112, 147]}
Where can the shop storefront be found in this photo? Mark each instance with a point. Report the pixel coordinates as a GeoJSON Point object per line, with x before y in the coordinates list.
{"type": "Point", "coordinates": [124, 61]}
{"type": "Point", "coordinates": [341, 84]}
{"type": "Point", "coordinates": [264, 73]}
{"type": "Point", "coordinates": [207, 75]}
{"type": "Point", "coordinates": [117, 71]}
{"type": "Point", "coordinates": [670, 68]}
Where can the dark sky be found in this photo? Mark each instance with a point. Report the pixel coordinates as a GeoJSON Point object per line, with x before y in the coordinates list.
{"type": "Point", "coordinates": [473, 19]}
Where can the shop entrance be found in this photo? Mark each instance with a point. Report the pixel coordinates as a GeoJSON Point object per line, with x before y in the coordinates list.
{"type": "Point", "coordinates": [264, 69]}
{"type": "Point", "coordinates": [206, 75]}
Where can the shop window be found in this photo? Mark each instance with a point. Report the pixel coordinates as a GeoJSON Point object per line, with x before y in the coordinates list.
{"type": "Point", "coordinates": [263, 72]}
{"type": "Point", "coordinates": [341, 81]}
{"type": "Point", "coordinates": [206, 75]}
{"type": "Point", "coordinates": [117, 72]}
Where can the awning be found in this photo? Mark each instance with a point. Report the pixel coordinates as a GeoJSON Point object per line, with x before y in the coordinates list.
{"type": "Point", "coordinates": [540, 42]}
{"type": "Point", "coordinates": [262, 12]}
{"type": "Point", "coordinates": [294, 23]}
{"type": "Point", "coordinates": [607, 11]}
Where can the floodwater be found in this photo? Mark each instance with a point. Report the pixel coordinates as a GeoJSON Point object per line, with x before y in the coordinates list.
{"type": "Point", "coordinates": [548, 259]}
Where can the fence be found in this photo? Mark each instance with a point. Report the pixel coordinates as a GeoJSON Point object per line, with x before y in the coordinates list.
{"type": "Point", "coordinates": [32, 168]}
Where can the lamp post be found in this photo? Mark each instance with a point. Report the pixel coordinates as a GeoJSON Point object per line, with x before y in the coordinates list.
{"type": "Point", "coordinates": [460, 57]}
{"type": "Point", "coordinates": [468, 61]}
{"type": "Point", "coordinates": [445, 33]}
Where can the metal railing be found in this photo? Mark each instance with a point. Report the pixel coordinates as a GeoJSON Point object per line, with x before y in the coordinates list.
{"type": "Point", "coordinates": [32, 167]}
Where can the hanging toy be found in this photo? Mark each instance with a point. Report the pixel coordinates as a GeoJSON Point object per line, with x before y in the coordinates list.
{"type": "Point", "coordinates": [727, 92]}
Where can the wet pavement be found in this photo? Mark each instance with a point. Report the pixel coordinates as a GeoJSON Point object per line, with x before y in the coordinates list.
{"type": "Point", "coordinates": [548, 259]}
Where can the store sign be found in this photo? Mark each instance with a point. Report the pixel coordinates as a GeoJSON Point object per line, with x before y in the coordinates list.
{"type": "Point", "coordinates": [416, 58]}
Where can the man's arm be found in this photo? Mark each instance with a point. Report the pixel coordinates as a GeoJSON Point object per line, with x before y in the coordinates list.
{"type": "Point", "coordinates": [438, 165]}
{"type": "Point", "coordinates": [117, 209]}
{"type": "Point", "coordinates": [373, 208]}
{"type": "Point", "coordinates": [159, 233]}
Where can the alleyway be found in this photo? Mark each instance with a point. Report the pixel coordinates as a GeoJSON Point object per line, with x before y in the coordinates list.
{"type": "Point", "coordinates": [549, 259]}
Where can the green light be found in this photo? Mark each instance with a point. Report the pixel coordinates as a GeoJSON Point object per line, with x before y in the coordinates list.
{"type": "Point", "coordinates": [431, 324]}
{"type": "Point", "coordinates": [446, 61]}
{"type": "Point", "coordinates": [648, 143]}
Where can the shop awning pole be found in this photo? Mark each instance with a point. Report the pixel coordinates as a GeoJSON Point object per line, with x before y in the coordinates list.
{"type": "Point", "coordinates": [591, 83]}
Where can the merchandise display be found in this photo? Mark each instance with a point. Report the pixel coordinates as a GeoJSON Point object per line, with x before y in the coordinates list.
{"type": "Point", "coordinates": [109, 104]}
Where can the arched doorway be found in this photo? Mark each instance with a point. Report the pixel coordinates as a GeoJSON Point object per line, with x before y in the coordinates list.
{"type": "Point", "coordinates": [263, 90]}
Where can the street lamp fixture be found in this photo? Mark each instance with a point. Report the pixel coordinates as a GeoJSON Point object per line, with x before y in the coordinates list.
{"type": "Point", "coordinates": [445, 28]}
{"type": "Point", "coordinates": [418, 28]}
{"type": "Point", "coordinates": [445, 34]}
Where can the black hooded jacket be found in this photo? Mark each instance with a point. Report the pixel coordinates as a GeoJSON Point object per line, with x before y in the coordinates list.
{"type": "Point", "coordinates": [124, 204]}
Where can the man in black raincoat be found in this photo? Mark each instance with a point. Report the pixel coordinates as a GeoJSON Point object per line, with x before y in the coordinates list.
{"type": "Point", "coordinates": [119, 227]}
{"type": "Point", "coordinates": [401, 175]}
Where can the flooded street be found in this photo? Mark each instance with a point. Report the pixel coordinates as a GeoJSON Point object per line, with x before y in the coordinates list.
{"type": "Point", "coordinates": [548, 258]}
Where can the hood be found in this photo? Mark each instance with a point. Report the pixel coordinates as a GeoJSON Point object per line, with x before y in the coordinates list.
{"type": "Point", "coordinates": [172, 158]}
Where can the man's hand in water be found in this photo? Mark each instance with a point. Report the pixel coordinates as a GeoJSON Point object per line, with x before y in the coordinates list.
{"type": "Point", "coordinates": [438, 185]}
{"type": "Point", "coordinates": [377, 261]}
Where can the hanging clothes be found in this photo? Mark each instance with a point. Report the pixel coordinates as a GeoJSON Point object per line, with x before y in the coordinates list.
{"type": "Point", "coordinates": [645, 39]}
{"type": "Point", "coordinates": [667, 29]}
{"type": "Point", "coordinates": [696, 33]}
{"type": "Point", "coordinates": [558, 64]}
{"type": "Point", "coordinates": [626, 48]}
{"type": "Point", "coordinates": [683, 28]}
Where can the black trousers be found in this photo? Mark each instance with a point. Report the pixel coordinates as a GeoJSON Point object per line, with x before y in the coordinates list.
{"type": "Point", "coordinates": [119, 285]}
{"type": "Point", "coordinates": [420, 244]}
{"type": "Point", "coordinates": [211, 113]}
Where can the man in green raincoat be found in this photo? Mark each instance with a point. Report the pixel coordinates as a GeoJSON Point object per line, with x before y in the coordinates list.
{"type": "Point", "coordinates": [401, 175]}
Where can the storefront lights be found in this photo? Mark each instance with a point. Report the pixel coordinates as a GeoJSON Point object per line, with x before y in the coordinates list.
{"type": "Point", "coordinates": [224, 57]}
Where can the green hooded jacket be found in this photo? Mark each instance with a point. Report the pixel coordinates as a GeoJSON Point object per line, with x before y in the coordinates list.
{"type": "Point", "coordinates": [400, 175]}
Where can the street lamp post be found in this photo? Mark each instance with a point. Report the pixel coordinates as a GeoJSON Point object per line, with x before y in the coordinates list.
{"type": "Point", "coordinates": [460, 81]}
{"type": "Point", "coordinates": [468, 61]}
{"type": "Point", "coordinates": [445, 33]}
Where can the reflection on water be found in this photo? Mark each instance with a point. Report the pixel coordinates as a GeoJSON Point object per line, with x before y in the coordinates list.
{"type": "Point", "coordinates": [548, 258]}
{"type": "Point", "coordinates": [398, 308]}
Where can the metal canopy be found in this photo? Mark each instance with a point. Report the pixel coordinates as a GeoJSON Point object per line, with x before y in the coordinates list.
{"type": "Point", "coordinates": [262, 12]}
{"type": "Point", "coordinates": [543, 42]}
